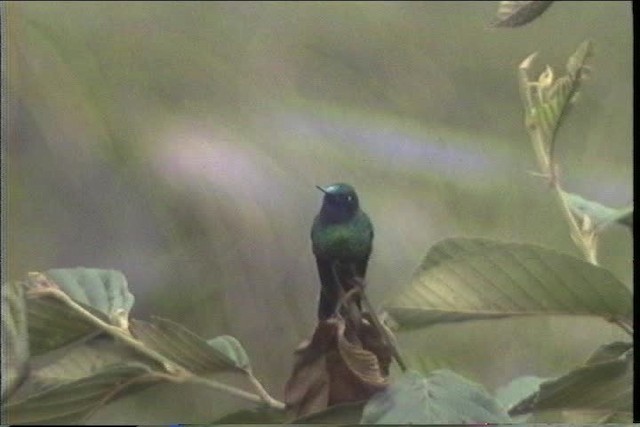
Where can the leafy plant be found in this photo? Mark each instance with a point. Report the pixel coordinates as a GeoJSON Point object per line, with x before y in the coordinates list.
{"type": "Point", "coordinates": [72, 346]}
{"type": "Point", "coordinates": [475, 279]}
{"type": "Point", "coordinates": [103, 355]}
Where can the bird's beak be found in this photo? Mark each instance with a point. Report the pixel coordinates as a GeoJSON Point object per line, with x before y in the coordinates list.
{"type": "Point", "coordinates": [321, 189]}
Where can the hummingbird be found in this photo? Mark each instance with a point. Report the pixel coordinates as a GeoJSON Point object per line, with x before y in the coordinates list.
{"type": "Point", "coordinates": [341, 239]}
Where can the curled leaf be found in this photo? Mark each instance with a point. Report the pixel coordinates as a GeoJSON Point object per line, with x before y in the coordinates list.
{"type": "Point", "coordinates": [517, 13]}
{"type": "Point", "coordinates": [331, 369]}
{"type": "Point", "coordinates": [547, 99]}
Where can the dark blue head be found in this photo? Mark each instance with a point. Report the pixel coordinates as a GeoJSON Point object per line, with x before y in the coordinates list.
{"type": "Point", "coordinates": [340, 202]}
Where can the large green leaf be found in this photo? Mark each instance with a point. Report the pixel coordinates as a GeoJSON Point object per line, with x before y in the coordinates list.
{"type": "Point", "coordinates": [55, 373]}
{"type": "Point", "coordinates": [602, 387]}
{"type": "Point", "coordinates": [74, 400]}
{"type": "Point", "coordinates": [15, 342]}
{"type": "Point", "coordinates": [518, 389]}
{"type": "Point", "coordinates": [104, 290]}
{"type": "Point", "coordinates": [188, 350]}
{"type": "Point", "coordinates": [467, 279]}
{"type": "Point", "coordinates": [441, 398]}
{"type": "Point", "coordinates": [53, 324]}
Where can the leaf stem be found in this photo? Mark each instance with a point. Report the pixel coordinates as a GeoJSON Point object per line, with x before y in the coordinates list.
{"type": "Point", "coordinates": [262, 397]}
{"type": "Point", "coordinates": [584, 239]}
{"type": "Point", "coordinates": [273, 403]}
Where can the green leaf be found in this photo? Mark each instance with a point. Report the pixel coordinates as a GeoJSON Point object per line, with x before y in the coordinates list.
{"type": "Point", "coordinates": [53, 324]}
{"type": "Point", "coordinates": [518, 13]}
{"type": "Point", "coordinates": [609, 352]}
{"type": "Point", "coordinates": [471, 279]}
{"type": "Point", "coordinates": [15, 341]}
{"type": "Point", "coordinates": [52, 372]}
{"type": "Point", "coordinates": [426, 363]}
{"type": "Point", "coordinates": [188, 350]}
{"type": "Point", "coordinates": [82, 359]}
{"type": "Point", "coordinates": [343, 414]}
{"type": "Point", "coordinates": [232, 348]}
{"type": "Point", "coordinates": [261, 415]}
{"type": "Point", "coordinates": [104, 290]}
{"type": "Point", "coordinates": [601, 215]}
{"type": "Point", "coordinates": [442, 398]}
{"type": "Point", "coordinates": [72, 401]}
{"type": "Point", "coordinates": [518, 389]}
{"type": "Point", "coordinates": [616, 418]}
{"type": "Point", "coordinates": [605, 387]}
{"type": "Point", "coordinates": [449, 249]}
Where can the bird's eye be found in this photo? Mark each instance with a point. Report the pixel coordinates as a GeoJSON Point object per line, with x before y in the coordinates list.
{"type": "Point", "coordinates": [349, 198]}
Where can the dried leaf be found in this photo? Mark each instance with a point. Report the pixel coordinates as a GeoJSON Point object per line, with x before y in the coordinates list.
{"type": "Point", "coordinates": [331, 369]}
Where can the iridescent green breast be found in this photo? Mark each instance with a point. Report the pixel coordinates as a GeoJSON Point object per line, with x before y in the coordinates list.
{"type": "Point", "coordinates": [345, 240]}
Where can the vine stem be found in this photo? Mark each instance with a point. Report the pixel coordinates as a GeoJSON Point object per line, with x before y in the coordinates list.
{"type": "Point", "coordinates": [584, 236]}
{"type": "Point", "coordinates": [585, 241]}
{"type": "Point", "coordinates": [383, 331]}
{"type": "Point", "coordinates": [359, 288]}
{"type": "Point", "coordinates": [176, 372]}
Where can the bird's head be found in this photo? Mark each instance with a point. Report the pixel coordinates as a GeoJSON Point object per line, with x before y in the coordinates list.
{"type": "Point", "coordinates": [340, 202]}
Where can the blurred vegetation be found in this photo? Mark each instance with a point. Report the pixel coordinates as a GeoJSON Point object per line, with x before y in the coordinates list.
{"type": "Point", "coordinates": [180, 144]}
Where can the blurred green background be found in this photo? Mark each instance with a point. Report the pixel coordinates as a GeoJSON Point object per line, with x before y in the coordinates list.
{"type": "Point", "coordinates": [180, 143]}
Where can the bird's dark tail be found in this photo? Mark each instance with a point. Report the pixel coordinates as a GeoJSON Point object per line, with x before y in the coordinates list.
{"type": "Point", "coordinates": [331, 290]}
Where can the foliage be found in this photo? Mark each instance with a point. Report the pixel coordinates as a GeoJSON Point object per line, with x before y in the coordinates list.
{"type": "Point", "coordinates": [110, 356]}
{"type": "Point", "coordinates": [474, 279]}
{"type": "Point", "coordinates": [469, 279]}
{"type": "Point", "coordinates": [74, 348]}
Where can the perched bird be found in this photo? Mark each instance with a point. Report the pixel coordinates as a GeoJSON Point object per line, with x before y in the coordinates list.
{"type": "Point", "coordinates": [341, 238]}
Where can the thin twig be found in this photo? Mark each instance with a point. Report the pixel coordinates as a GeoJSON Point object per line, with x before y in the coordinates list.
{"type": "Point", "coordinates": [383, 332]}
{"type": "Point", "coordinates": [273, 403]}
{"type": "Point", "coordinates": [359, 289]}
{"type": "Point", "coordinates": [262, 398]}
